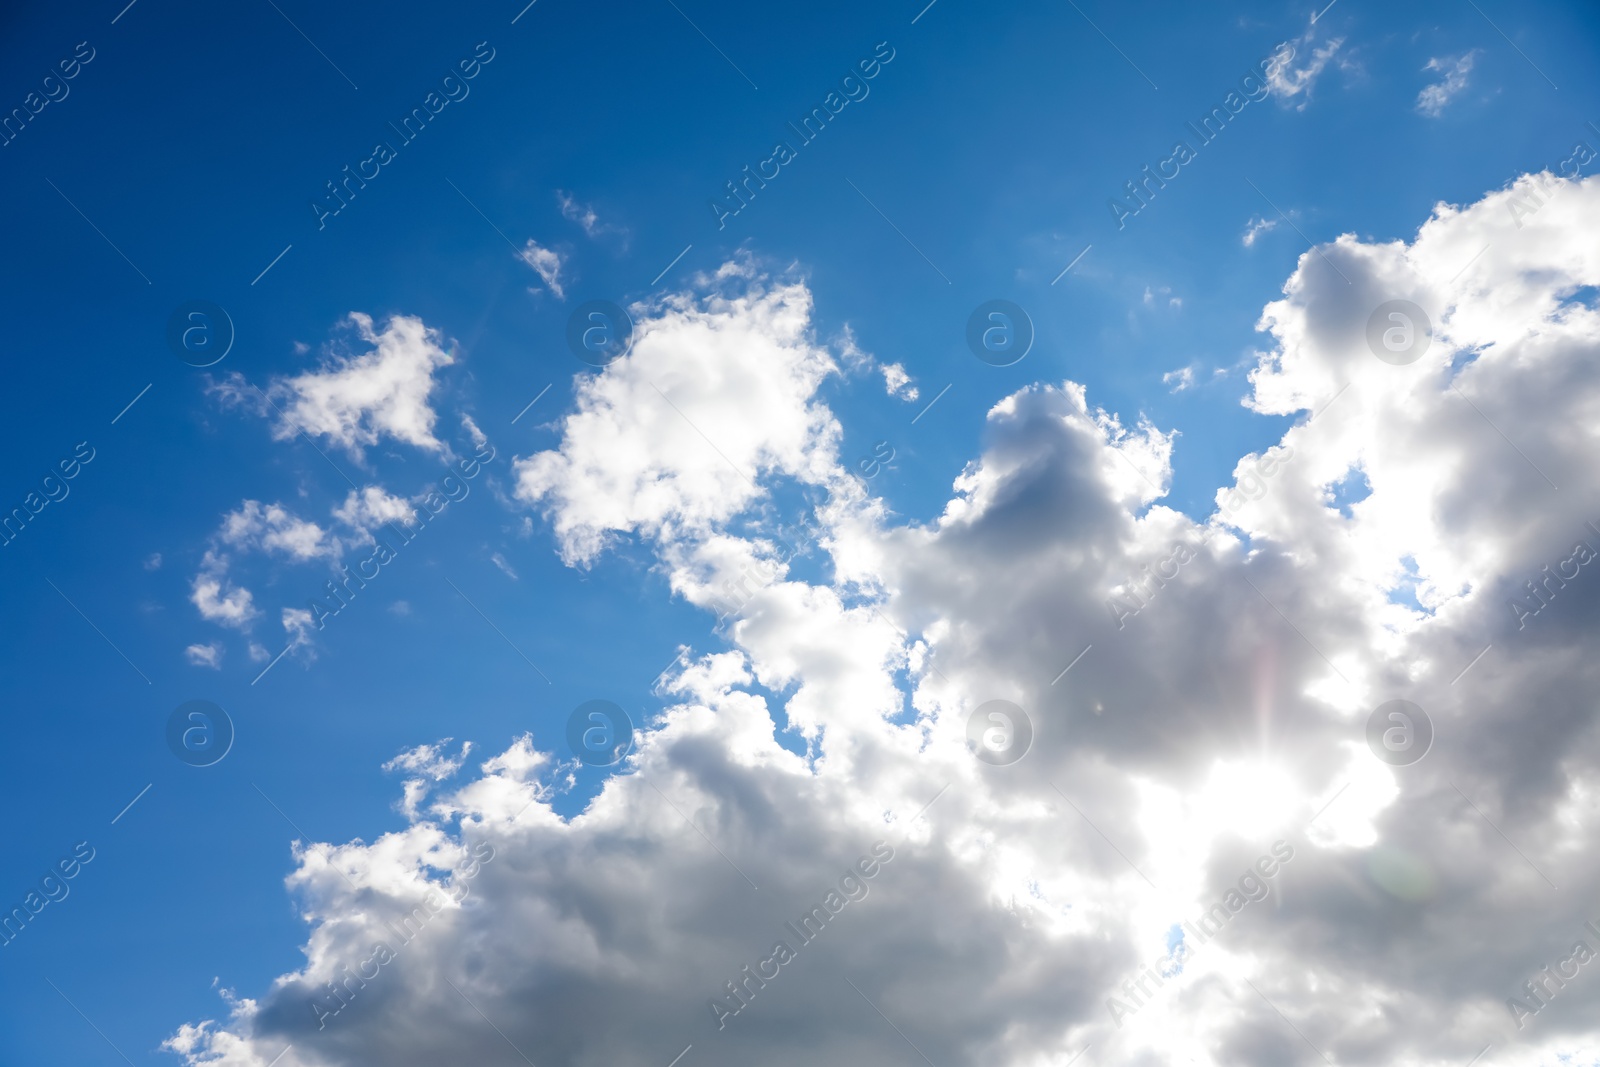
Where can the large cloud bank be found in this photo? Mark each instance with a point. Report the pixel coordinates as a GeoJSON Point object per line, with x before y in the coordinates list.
{"type": "Point", "coordinates": [1198, 861]}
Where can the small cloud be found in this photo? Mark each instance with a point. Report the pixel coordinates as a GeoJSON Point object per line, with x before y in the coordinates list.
{"type": "Point", "coordinates": [1433, 98]}
{"type": "Point", "coordinates": [274, 528]}
{"type": "Point", "coordinates": [401, 608]}
{"type": "Point", "coordinates": [897, 382]}
{"type": "Point", "coordinates": [153, 562]}
{"type": "Point", "coordinates": [218, 599]}
{"type": "Point", "coordinates": [1256, 227]}
{"type": "Point", "coordinates": [858, 360]}
{"type": "Point", "coordinates": [359, 394]}
{"type": "Point", "coordinates": [500, 561]}
{"type": "Point", "coordinates": [546, 263]}
{"type": "Point", "coordinates": [298, 624]}
{"type": "Point", "coordinates": [372, 507]}
{"type": "Point", "coordinates": [1152, 295]}
{"type": "Point", "coordinates": [1178, 380]}
{"type": "Point", "coordinates": [425, 764]}
{"type": "Point", "coordinates": [259, 653]}
{"type": "Point", "coordinates": [1286, 81]}
{"type": "Point", "coordinates": [430, 760]}
{"type": "Point", "coordinates": [301, 348]}
{"type": "Point", "coordinates": [208, 655]}
{"type": "Point", "coordinates": [584, 215]}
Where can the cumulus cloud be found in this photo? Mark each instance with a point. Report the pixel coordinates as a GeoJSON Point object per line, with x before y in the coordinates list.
{"type": "Point", "coordinates": [373, 506]}
{"type": "Point", "coordinates": [356, 399]}
{"type": "Point", "coordinates": [897, 383]}
{"type": "Point", "coordinates": [275, 532]}
{"type": "Point", "coordinates": [1179, 380]}
{"type": "Point", "coordinates": [671, 438]}
{"type": "Point", "coordinates": [217, 598]}
{"type": "Point", "coordinates": [546, 262]}
{"type": "Point", "coordinates": [1455, 72]}
{"type": "Point", "coordinates": [1198, 689]}
{"type": "Point", "coordinates": [274, 528]}
{"type": "Point", "coordinates": [253, 527]}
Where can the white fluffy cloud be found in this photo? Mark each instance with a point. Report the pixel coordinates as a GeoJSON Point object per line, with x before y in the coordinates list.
{"type": "Point", "coordinates": [356, 399]}
{"type": "Point", "coordinates": [217, 598]}
{"type": "Point", "coordinates": [896, 382]}
{"type": "Point", "coordinates": [273, 531]}
{"type": "Point", "coordinates": [273, 528]}
{"type": "Point", "coordinates": [672, 437]}
{"type": "Point", "coordinates": [253, 527]}
{"type": "Point", "coordinates": [371, 507]}
{"type": "Point", "coordinates": [1198, 692]}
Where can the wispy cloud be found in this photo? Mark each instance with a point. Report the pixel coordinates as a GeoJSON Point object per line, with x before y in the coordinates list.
{"type": "Point", "coordinates": [547, 263]}
{"type": "Point", "coordinates": [1255, 228]}
{"type": "Point", "coordinates": [1456, 71]}
{"type": "Point", "coordinates": [209, 655]}
{"type": "Point", "coordinates": [574, 210]}
{"type": "Point", "coordinates": [1285, 81]}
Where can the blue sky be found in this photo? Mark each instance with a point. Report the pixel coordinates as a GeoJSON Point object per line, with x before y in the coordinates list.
{"type": "Point", "coordinates": [181, 165]}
